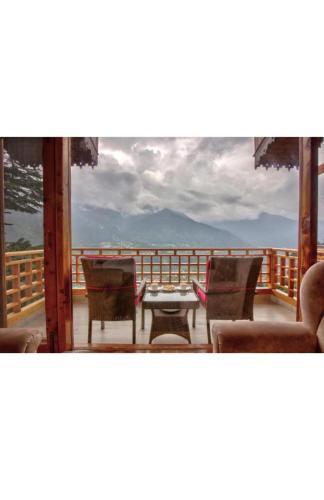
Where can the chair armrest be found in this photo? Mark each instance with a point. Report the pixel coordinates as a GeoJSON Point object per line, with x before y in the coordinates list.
{"type": "Point", "coordinates": [262, 336]}
{"type": "Point", "coordinates": [196, 284]}
{"type": "Point", "coordinates": [141, 289]}
{"type": "Point", "coordinates": [19, 339]}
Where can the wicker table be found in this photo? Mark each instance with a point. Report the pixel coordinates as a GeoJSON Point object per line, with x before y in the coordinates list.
{"type": "Point", "coordinates": [170, 322]}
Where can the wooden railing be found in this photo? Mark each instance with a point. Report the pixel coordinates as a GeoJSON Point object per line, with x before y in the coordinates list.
{"type": "Point", "coordinates": [284, 273]}
{"type": "Point", "coordinates": [172, 265]}
{"type": "Point", "coordinates": [25, 281]}
{"type": "Point", "coordinates": [25, 271]}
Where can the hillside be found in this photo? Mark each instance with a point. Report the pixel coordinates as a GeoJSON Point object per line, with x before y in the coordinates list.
{"type": "Point", "coordinates": [105, 227]}
{"type": "Point", "coordinates": [267, 230]}
{"type": "Point", "coordinates": [102, 226]}
{"type": "Point", "coordinates": [171, 227]}
{"type": "Point", "coordinates": [22, 225]}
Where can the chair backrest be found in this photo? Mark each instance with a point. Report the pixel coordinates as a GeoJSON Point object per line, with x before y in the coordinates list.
{"type": "Point", "coordinates": [111, 287]}
{"type": "Point", "coordinates": [312, 296]}
{"type": "Point", "coordinates": [231, 283]}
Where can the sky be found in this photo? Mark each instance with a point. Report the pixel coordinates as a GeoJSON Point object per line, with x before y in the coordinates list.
{"type": "Point", "coordinates": [208, 179]}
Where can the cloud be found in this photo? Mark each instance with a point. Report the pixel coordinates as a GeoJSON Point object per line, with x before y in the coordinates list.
{"type": "Point", "coordinates": [209, 179]}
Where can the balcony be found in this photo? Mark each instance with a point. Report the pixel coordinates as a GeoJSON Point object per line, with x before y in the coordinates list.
{"type": "Point", "coordinates": [276, 291]}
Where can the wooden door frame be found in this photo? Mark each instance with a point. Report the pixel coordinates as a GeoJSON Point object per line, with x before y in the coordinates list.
{"type": "Point", "coordinates": [57, 243]}
{"type": "Point", "coordinates": [308, 208]}
{"type": "Point", "coordinates": [3, 288]}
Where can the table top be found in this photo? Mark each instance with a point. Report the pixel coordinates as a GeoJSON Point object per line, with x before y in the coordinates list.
{"type": "Point", "coordinates": [172, 300]}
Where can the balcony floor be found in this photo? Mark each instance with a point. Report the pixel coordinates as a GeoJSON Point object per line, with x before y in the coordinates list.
{"type": "Point", "coordinates": [121, 332]}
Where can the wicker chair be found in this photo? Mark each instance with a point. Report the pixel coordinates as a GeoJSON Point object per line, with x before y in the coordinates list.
{"type": "Point", "coordinates": [230, 288]}
{"type": "Point", "coordinates": [111, 290]}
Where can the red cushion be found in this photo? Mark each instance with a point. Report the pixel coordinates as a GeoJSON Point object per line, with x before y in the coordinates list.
{"type": "Point", "coordinates": [107, 257]}
{"type": "Point", "coordinates": [202, 296]}
{"type": "Point", "coordinates": [138, 299]}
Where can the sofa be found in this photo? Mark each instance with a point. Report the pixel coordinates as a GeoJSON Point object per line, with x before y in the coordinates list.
{"type": "Point", "coordinates": [306, 336]}
{"type": "Point", "coordinates": [19, 340]}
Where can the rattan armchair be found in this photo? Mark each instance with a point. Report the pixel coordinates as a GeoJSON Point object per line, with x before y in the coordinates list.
{"type": "Point", "coordinates": [230, 288]}
{"type": "Point", "coordinates": [111, 290]}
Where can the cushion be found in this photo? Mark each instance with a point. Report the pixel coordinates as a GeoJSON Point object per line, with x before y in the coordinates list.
{"type": "Point", "coordinates": [19, 339]}
{"type": "Point", "coordinates": [202, 296]}
{"type": "Point", "coordinates": [138, 298]}
{"type": "Point", "coordinates": [262, 336]}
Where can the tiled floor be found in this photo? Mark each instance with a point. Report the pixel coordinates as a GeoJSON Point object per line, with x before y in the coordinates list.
{"type": "Point", "coordinates": [121, 332]}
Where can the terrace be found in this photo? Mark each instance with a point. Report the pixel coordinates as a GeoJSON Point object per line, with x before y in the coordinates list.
{"type": "Point", "coordinates": [276, 291]}
{"type": "Point", "coordinates": [26, 301]}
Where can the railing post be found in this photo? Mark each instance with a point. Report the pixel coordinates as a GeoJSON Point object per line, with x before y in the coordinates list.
{"type": "Point", "coordinates": [290, 292]}
{"type": "Point", "coordinates": [272, 269]}
{"type": "Point", "coordinates": [291, 275]}
{"type": "Point", "coordinates": [282, 271]}
{"type": "Point", "coordinates": [39, 267]}
{"type": "Point", "coordinates": [77, 272]}
{"type": "Point", "coordinates": [15, 270]}
{"type": "Point", "coordinates": [29, 278]}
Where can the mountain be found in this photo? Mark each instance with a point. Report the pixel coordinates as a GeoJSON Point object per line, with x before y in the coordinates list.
{"type": "Point", "coordinates": [22, 225]}
{"type": "Point", "coordinates": [91, 226]}
{"type": "Point", "coordinates": [169, 227]}
{"type": "Point", "coordinates": [267, 230]}
{"type": "Point", "coordinates": [104, 227]}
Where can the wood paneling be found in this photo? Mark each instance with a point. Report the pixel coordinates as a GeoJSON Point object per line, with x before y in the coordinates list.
{"type": "Point", "coordinates": [57, 239]}
{"type": "Point", "coordinates": [27, 150]}
{"type": "Point", "coordinates": [3, 305]}
{"type": "Point", "coordinates": [277, 152]}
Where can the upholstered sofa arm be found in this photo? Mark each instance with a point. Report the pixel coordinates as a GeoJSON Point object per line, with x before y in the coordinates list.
{"type": "Point", "coordinates": [19, 339]}
{"type": "Point", "coordinates": [141, 289]}
{"type": "Point", "coordinates": [196, 284]}
{"type": "Point", "coordinates": [262, 337]}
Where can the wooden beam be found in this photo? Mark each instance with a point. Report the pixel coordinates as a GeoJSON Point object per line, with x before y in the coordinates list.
{"type": "Point", "coordinates": [57, 243]}
{"type": "Point", "coordinates": [140, 348]}
{"type": "Point", "coordinates": [321, 169]}
{"type": "Point", "coordinates": [3, 299]}
{"type": "Point", "coordinates": [308, 207]}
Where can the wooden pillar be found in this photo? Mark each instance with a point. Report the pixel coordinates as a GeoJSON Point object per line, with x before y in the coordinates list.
{"type": "Point", "coordinates": [308, 207]}
{"type": "Point", "coordinates": [57, 243]}
{"type": "Point", "coordinates": [3, 298]}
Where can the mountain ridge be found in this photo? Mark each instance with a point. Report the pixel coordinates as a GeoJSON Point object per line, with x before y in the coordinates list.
{"type": "Point", "coordinates": [267, 230]}
{"type": "Point", "coordinates": [103, 227]}
{"type": "Point", "coordinates": [157, 228]}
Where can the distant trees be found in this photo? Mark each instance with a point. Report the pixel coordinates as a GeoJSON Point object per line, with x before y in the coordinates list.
{"type": "Point", "coordinates": [23, 192]}
{"type": "Point", "coordinates": [23, 189]}
{"type": "Point", "coordinates": [20, 244]}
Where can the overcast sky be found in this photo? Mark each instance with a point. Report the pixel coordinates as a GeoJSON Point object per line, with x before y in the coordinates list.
{"type": "Point", "coordinates": [208, 179]}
